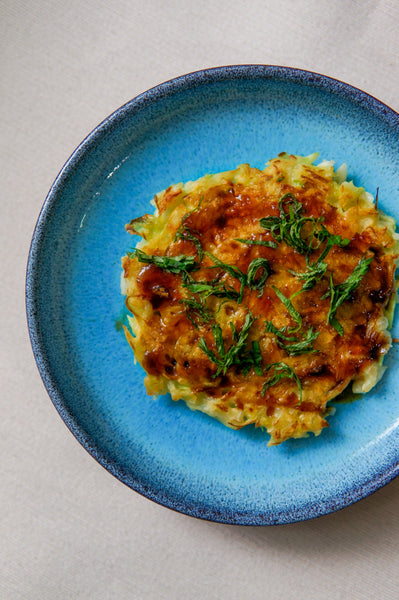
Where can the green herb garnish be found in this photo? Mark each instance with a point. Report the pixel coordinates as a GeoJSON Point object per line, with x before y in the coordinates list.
{"type": "Point", "coordinates": [341, 292]}
{"type": "Point", "coordinates": [268, 244]}
{"type": "Point", "coordinates": [281, 371]}
{"type": "Point", "coordinates": [311, 276]}
{"type": "Point", "coordinates": [254, 282]}
{"type": "Point", "coordinates": [250, 278]}
{"type": "Point", "coordinates": [197, 312]}
{"type": "Point", "coordinates": [227, 358]}
{"type": "Point", "coordinates": [186, 234]}
{"type": "Point", "coordinates": [231, 270]}
{"type": "Point", "coordinates": [316, 270]}
{"type": "Point", "coordinates": [171, 264]}
{"type": "Point", "coordinates": [210, 288]}
{"type": "Point", "coordinates": [293, 345]}
{"type": "Point", "coordinates": [186, 216]}
{"type": "Point", "coordinates": [301, 346]}
{"type": "Point", "coordinates": [280, 333]}
{"type": "Point", "coordinates": [288, 226]}
{"type": "Point", "coordinates": [253, 359]}
{"type": "Point", "coordinates": [288, 305]}
{"type": "Point", "coordinates": [332, 240]}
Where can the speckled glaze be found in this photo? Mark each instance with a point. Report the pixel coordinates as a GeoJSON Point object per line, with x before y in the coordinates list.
{"type": "Point", "coordinates": [203, 122]}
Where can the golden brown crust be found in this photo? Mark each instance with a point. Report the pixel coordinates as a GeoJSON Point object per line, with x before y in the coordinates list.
{"type": "Point", "coordinates": [216, 211]}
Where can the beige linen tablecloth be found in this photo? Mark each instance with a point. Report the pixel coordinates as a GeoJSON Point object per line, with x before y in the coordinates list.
{"type": "Point", "coordinates": [68, 529]}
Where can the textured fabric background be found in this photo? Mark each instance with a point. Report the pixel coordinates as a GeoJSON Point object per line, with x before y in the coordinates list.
{"type": "Point", "coordinates": [68, 529]}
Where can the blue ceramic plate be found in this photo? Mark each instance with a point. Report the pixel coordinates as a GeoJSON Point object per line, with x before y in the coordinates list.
{"type": "Point", "coordinates": [203, 122]}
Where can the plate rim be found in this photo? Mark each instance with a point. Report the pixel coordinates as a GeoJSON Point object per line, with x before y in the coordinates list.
{"type": "Point", "coordinates": [133, 106]}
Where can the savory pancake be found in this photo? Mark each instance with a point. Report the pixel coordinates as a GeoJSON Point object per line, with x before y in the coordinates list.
{"type": "Point", "coordinates": [259, 295]}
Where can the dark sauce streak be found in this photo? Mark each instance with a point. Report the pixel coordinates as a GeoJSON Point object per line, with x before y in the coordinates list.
{"type": "Point", "coordinates": [155, 285]}
{"type": "Point", "coordinates": [151, 363]}
{"type": "Point", "coordinates": [378, 296]}
{"type": "Point", "coordinates": [221, 221]}
{"type": "Point", "coordinates": [321, 371]}
{"type": "Point", "coordinates": [156, 363]}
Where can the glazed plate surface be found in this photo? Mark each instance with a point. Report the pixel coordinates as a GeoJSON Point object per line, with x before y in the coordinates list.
{"type": "Point", "coordinates": [204, 122]}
